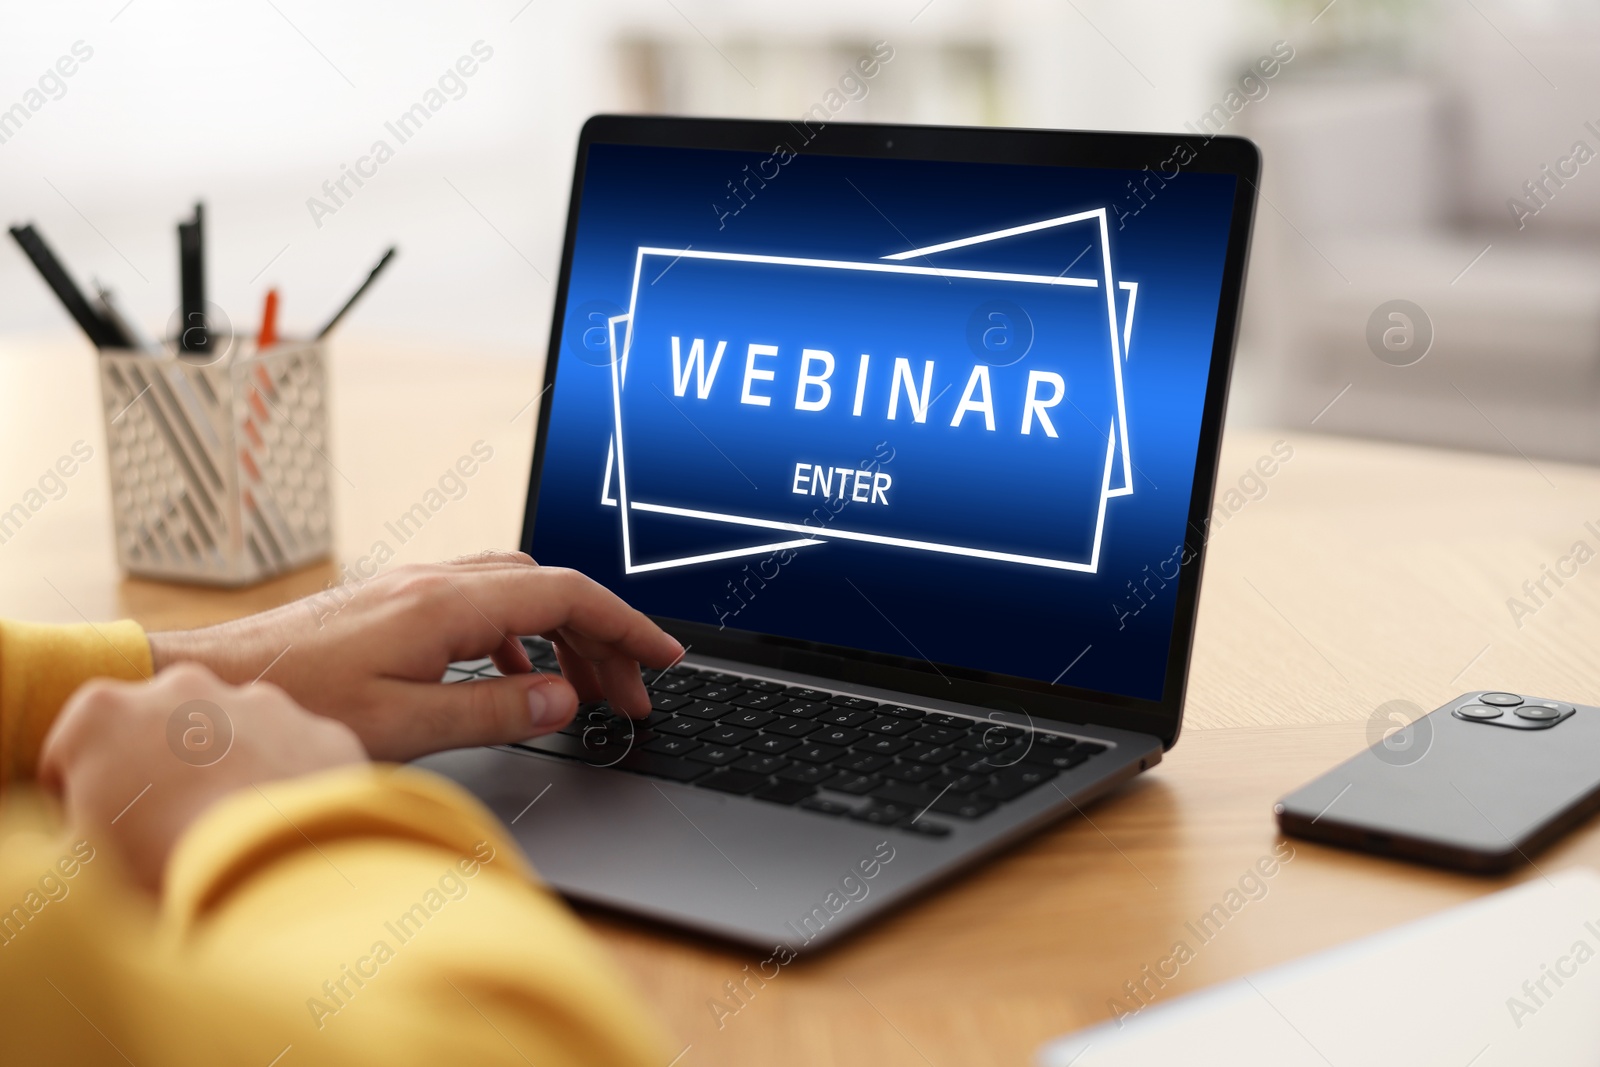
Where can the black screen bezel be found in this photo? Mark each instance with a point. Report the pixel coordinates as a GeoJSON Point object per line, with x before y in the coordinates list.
{"type": "Point", "coordinates": [1159, 152]}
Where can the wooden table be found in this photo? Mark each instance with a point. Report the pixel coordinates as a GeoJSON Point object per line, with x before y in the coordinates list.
{"type": "Point", "coordinates": [1366, 573]}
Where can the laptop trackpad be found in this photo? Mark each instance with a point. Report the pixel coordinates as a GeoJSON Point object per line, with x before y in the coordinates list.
{"type": "Point", "coordinates": [754, 872]}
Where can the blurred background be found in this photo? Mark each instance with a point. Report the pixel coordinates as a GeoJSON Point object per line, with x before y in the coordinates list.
{"type": "Point", "coordinates": [1437, 153]}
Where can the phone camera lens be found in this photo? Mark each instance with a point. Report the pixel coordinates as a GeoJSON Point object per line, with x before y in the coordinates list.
{"type": "Point", "coordinates": [1538, 713]}
{"type": "Point", "coordinates": [1479, 711]}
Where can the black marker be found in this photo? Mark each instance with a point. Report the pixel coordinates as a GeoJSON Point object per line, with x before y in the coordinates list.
{"type": "Point", "coordinates": [102, 332]}
{"type": "Point", "coordinates": [192, 333]}
{"type": "Point", "coordinates": [124, 324]}
{"type": "Point", "coordinates": [357, 294]}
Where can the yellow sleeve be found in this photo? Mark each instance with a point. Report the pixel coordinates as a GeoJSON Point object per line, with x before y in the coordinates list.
{"type": "Point", "coordinates": [382, 916]}
{"type": "Point", "coordinates": [41, 666]}
{"type": "Point", "coordinates": [362, 916]}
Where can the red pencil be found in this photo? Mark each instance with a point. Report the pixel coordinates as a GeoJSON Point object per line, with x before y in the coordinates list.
{"type": "Point", "coordinates": [268, 334]}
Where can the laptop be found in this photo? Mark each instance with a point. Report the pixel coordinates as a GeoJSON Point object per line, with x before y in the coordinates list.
{"type": "Point", "coordinates": [909, 435]}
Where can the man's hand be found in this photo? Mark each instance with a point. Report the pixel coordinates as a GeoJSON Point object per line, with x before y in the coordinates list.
{"type": "Point", "coordinates": [136, 763]}
{"type": "Point", "coordinates": [371, 654]}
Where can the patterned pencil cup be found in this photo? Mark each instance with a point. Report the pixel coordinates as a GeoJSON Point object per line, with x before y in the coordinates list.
{"type": "Point", "coordinates": [219, 471]}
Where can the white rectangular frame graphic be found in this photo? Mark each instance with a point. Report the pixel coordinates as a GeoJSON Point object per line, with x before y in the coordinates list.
{"type": "Point", "coordinates": [1117, 434]}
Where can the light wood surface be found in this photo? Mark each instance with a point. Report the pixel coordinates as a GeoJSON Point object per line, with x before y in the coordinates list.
{"type": "Point", "coordinates": [1366, 573]}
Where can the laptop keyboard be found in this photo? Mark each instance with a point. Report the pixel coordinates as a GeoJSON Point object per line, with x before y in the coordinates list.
{"type": "Point", "coordinates": [821, 751]}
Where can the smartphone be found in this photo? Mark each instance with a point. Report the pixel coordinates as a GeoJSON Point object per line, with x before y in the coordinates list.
{"type": "Point", "coordinates": [1481, 785]}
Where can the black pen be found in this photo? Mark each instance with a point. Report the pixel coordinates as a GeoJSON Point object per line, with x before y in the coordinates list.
{"type": "Point", "coordinates": [192, 333]}
{"type": "Point", "coordinates": [125, 324]}
{"type": "Point", "coordinates": [102, 332]}
{"type": "Point", "coordinates": [357, 294]}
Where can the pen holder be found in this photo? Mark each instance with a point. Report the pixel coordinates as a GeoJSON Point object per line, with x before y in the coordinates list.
{"type": "Point", "coordinates": [219, 471]}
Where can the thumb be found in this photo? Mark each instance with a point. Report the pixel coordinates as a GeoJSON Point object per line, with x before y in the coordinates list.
{"type": "Point", "coordinates": [491, 711]}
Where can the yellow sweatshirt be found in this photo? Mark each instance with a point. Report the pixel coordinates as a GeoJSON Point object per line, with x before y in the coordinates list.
{"type": "Point", "coordinates": [372, 915]}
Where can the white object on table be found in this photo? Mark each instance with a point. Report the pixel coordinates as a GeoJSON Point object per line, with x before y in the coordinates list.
{"type": "Point", "coordinates": [1511, 979]}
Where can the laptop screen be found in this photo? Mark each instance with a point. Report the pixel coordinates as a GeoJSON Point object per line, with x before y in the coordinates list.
{"type": "Point", "coordinates": [937, 410]}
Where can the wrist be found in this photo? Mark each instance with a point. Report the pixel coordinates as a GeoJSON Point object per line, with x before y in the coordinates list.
{"type": "Point", "coordinates": [169, 647]}
{"type": "Point", "coordinates": [195, 646]}
{"type": "Point", "coordinates": [237, 652]}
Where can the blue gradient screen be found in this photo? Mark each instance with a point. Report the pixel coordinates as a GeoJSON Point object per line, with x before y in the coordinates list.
{"type": "Point", "coordinates": [947, 411]}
